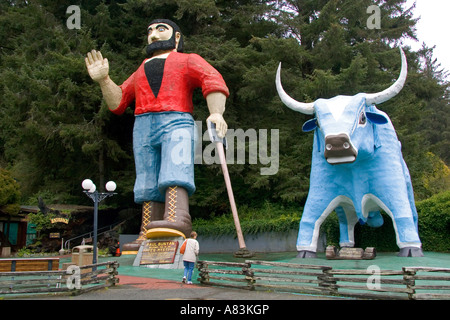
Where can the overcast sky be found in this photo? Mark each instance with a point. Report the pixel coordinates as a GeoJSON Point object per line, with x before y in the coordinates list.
{"type": "Point", "coordinates": [433, 28]}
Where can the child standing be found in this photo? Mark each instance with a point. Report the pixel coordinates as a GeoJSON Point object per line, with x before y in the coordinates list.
{"type": "Point", "coordinates": [190, 257]}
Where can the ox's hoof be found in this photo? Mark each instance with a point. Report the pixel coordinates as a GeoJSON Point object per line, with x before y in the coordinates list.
{"type": "Point", "coordinates": [306, 254]}
{"type": "Point", "coordinates": [410, 252]}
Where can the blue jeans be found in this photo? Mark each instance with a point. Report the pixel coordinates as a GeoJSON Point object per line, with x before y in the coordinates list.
{"type": "Point", "coordinates": [188, 269]}
{"type": "Point", "coordinates": [163, 146]}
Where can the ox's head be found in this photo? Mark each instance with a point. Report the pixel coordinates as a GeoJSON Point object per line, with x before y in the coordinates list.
{"type": "Point", "coordinates": [345, 123]}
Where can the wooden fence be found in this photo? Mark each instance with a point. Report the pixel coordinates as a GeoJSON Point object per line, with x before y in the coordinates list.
{"type": "Point", "coordinates": [98, 276]}
{"type": "Point", "coordinates": [31, 264]}
{"type": "Point", "coordinates": [373, 283]}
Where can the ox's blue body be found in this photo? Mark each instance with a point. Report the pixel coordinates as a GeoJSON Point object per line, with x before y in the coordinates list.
{"type": "Point", "coordinates": [378, 179]}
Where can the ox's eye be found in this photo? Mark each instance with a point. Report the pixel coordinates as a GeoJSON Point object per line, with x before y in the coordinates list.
{"type": "Point", "coordinates": [362, 118]}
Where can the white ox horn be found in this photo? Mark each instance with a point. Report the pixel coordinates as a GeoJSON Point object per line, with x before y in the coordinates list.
{"type": "Point", "coordinates": [392, 91]}
{"type": "Point", "coordinates": [306, 108]}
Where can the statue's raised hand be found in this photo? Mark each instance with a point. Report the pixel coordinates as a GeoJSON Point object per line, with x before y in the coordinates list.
{"type": "Point", "coordinates": [98, 67]}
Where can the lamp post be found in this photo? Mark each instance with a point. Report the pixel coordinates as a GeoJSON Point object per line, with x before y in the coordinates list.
{"type": "Point", "coordinates": [90, 190]}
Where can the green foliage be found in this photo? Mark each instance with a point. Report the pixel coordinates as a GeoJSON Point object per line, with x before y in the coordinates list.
{"type": "Point", "coordinates": [435, 176]}
{"type": "Point", "coordinates": [267, 218]}
{"type": "Point", "coordinates": [382, 238]}
{"type": "Point", "coordinates": [23, 252]}
{"type": "Point", "coordinates": [9, 193]}
{"type": "Point", "coordinates": [434, 222]}
{"type": "Point", "coordinates": [52, 129]}
{"type": "Point", "coordinates": [43, 221]}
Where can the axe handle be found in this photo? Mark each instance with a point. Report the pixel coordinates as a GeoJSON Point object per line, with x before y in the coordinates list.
{"type": "Point", "coordinates": [223, 163]}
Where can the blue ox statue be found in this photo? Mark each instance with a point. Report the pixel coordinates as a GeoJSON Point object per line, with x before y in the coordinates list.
{"type": "Point", "coordinates": [357, 169]}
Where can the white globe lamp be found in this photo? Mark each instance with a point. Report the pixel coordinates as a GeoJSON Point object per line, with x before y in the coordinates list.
{"type": "Point", "coordinates": [111, 186]}
{"type": "Point", "coordinates": [93, 188]}
{"type": "Point", "coordinates": [87, 184]}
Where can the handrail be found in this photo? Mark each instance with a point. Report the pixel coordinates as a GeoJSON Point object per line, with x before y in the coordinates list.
{"type": "Point", "coordinates": [110, 227]}
{"type": "Point", "coordinates": [66, 244]}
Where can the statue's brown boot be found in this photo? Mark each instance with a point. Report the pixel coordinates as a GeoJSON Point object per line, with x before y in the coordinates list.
{"type": "Point", "coordinates": [176, 214]}
{"type": "Point", "coordinates": [151, 210]}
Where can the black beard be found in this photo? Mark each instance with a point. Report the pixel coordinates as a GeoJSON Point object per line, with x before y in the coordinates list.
{"type": "Point", "coordinates": [162, 45]}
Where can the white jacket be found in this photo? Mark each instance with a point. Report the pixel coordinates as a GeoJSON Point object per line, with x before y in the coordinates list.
{"type": "Point", "coordinates": [192, 250]}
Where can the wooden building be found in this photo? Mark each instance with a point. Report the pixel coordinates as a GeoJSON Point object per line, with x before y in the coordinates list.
{"type": "Point", "coordinates": [13, 232]}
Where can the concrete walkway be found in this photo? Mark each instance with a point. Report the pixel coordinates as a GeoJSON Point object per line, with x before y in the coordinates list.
{"type": "Point", "coordinates": [142, 288]}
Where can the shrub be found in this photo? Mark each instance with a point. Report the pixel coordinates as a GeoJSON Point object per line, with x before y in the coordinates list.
{"type": "Point", "coordinates": [9, 193]}
{"type": "Point", "coordinates": [434, 222]}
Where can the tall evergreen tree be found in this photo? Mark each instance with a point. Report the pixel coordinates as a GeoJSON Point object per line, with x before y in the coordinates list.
{"type": "Point", "coordinates": [53, 126]}
{"type": "Point", "coordinates": [55, 130]}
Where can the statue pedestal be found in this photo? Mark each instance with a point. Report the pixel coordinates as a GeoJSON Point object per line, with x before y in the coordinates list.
{"type": "Point", "coordinates": [160, 253]}
{"type": "Point", "coordinates": [346, 253]}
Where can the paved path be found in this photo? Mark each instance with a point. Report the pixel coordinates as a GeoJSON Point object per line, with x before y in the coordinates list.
{"type": "Point", "coordinates": [140, 288]}
{"type": "Point", "coordinates": [176, 300]}
{"type": "Point", "coordinates": [157, 289]}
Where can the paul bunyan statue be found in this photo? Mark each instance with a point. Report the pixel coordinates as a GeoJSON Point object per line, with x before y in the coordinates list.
{"type": "Point", "coordinates": [163, 135]}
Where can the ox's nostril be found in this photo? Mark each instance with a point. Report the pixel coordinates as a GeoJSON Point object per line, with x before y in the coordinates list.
{"type": "Point", "coordinates": [339, 149]}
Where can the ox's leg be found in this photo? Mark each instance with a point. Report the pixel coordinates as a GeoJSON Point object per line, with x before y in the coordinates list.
{"type": "Point", "coordinates": [392, 192]}
{"type": "Point", "coordinates": [409, 251]}
{"type": "Point", "coordinates": [347, 221]}
{"type": "Point", "coordinates": [407, 234]}
{"type": "Point", "coordinates": [317, 209]}
{"type": "Point", "coordinates": [405, 224]}
{"type": "Point", "coordinates": [308, 233]}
